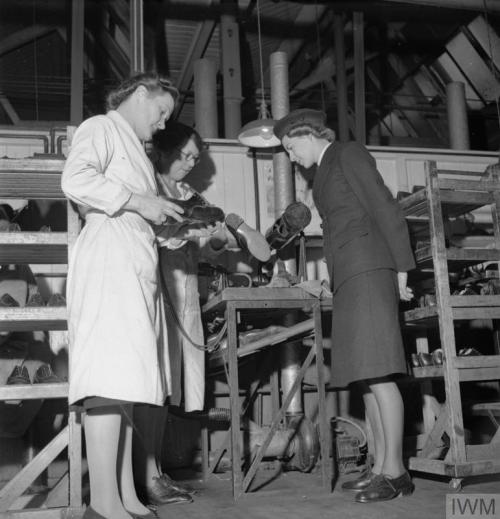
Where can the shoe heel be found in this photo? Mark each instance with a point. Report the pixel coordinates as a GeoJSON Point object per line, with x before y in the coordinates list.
{"type": "Point", "coordinates": [408, 490]}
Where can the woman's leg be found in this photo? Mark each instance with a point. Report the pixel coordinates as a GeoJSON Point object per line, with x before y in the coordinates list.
{"type": "Point", "coordinates": [150, 425]}
{"type": "Point", "coordinates": [102, 435]}
{"type": "Point", "coordinates": [373, 417]}
{"type": "Point", "coordinates": [125, 471]}
{"type": "Point", "coordinates": [391, 412]}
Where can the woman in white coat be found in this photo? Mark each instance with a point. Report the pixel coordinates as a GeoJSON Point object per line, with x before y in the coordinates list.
{"type": "Point", "coordinates": [116, 321]}
{"type": "Point", "coordinates": [176, 150]}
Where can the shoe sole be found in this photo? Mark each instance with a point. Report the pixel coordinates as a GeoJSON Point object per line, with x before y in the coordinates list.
{"type": "Point", "coordinates": [403, 492]}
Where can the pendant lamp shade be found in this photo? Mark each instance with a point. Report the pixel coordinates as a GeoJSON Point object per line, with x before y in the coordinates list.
{"type": "Point", "coordinates": [259, 133]}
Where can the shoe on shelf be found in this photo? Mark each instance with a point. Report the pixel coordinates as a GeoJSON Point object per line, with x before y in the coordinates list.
{"type": "Point", "coordinates": [7, 301]}
{"type": "Point", "coordinates": [468, 352]}
{"type": "Point", "coordinates": [159, 494]}
{"type": "Point", "coordinates": [383, 488]}
{"type": "Point", "coordinates": [35, 299]}
{"type": "Point", "coordinates": [437, 357]}
{"type": "Point", "coordinates": [361, 482]}
{"type": "Point", "coordinates": [45, 375]}
{"type": "Point", "coordinates": [19, 375]}
{"type": "Point", "coordinates": [56, 300]}
{"type": "Point", "coordinates": [167, 481]}
{"type": "Point", "coordinates": [248, 238]}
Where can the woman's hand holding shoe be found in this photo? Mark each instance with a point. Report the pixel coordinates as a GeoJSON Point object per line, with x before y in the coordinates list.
{"type": "Point", "coordinates": [154, 208]}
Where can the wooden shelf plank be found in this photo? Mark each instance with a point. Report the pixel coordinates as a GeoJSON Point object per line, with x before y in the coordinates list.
{"type": "Point", "coordinates": [33, 318]}
{"type": "Point", "coordinates": [33, 247]}
{"type": "Point", "coordinates": [465, 375]}
{"type": "Point", "coordinates": [34, 391]}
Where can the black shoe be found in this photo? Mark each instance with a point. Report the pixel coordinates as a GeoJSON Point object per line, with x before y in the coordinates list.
{"type": "Point", "coordinates": [248, 238]}
{"type": "Point", "coordinates": [8, 301]}
{"type": "Point", "coordinates": [383, 488]}
{"type": "Point", "coordinates": [360, 483]}
{"type": "Point", "coordinates": [159, 494]}
{"type": "Point", "coordinates": [295, 218]}
{"type": "Point", "coordinates": [167, 481]}
{"type": "Point", "coordinates": [197, 211]}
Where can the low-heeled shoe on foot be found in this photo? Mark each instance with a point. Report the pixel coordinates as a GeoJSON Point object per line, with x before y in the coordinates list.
{"type": "Point", "coordinates": [383, 488]}
{"type": "Point", "coordinates": [167, 481]}
{"type": "Point", "coordinates": [158, 494]}
{"type": "Point", "coordinates": [361, 482]}
{"type": "Point", "coordinates": [90, 513]}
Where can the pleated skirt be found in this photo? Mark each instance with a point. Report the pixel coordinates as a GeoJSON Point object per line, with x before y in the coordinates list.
{"type": "Point", "coordinates": [366, 334]}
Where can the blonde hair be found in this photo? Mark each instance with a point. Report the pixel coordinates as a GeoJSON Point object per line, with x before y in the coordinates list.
{"type": "Point", "coordinates": [316, 130]}
{"type": "Point", "coordinates": [153, 81]}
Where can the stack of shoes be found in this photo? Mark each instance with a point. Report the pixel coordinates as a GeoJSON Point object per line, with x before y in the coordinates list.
{"type": "Point", "coordinates": [248, 238]}
{"type": "Point", "coordinates": [164, 491]}
{"type": "Point", "coordinates": [18, 376]}
{"type": "Point", "coordinates": [383, 488]}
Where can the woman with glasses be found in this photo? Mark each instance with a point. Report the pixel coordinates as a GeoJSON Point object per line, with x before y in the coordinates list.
{"type": "Point", "coordinates": [176, 150]}
{"type": "Point", "coordinates": [115, 312]}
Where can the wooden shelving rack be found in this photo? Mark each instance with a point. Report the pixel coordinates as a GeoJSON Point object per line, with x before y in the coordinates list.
{"type": "Point", "coordinates": [40, 179]}
{"type": "Point", "coordinates": [448, 194]}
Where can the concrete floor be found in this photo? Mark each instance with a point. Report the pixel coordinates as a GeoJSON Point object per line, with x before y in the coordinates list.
{"type": "Point", "coordinates": [294, 495]}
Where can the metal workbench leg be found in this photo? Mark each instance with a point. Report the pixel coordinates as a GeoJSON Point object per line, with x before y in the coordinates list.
{"type": "Point", "coordinates": [234, 397]}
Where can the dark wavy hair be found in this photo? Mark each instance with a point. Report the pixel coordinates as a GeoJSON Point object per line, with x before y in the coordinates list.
{"type": "Point", "coordinates": [174, 137]}
{"type": "Point", "coordinates": [153, 81]}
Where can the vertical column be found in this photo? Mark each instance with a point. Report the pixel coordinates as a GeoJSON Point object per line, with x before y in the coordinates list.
{"type": "Point", "coordinates": [458, 126]}
{"type": "Point", "coordinates": [77, 31]}
{"type": "Point", "coordinates": [341, 83]}
{"type": "Point", "coordinates": [205, 98]}
{"type": "Point", "coordinates": [136, 37]}
{"type": "Point", "coordinates": [280, 106]}
{"type": "Point", "coordinates": [359, 77]}
{"type": "Point", "coordinates": [231, 75]}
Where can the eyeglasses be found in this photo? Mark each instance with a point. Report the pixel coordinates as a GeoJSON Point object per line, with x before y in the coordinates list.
{"type": "Point", "coordinates": [188, 157]}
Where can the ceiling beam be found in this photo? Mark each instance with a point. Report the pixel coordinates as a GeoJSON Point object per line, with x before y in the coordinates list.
{"type": "Point", "coordinates": [474, 5]}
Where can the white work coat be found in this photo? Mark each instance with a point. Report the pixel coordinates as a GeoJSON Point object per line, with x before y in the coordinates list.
{"type": "Point", "coordinates": [116, 321]}
{"type": "Point", "coordinates": [179, 268]}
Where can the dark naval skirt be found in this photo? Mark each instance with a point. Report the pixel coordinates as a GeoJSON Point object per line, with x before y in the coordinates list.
{"type": "Point", "coordinates": [366, 335]}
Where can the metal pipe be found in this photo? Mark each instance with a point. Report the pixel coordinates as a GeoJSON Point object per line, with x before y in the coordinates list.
{"type": "Point", "coordinates": [458, 126]}
{"type": "Point", "coordinates": [284, 195]}
{"type": "Point", "coordinates": [42, 138]}
{"type": "Point", "coordinates": [205, 98]}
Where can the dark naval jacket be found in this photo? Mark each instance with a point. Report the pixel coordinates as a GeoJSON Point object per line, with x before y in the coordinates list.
{"type": "Point", "coordinates": [363, 226]}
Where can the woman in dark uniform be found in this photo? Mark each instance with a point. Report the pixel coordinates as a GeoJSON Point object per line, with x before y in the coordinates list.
{"type": "Point", "coordinates": [368, 255]}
